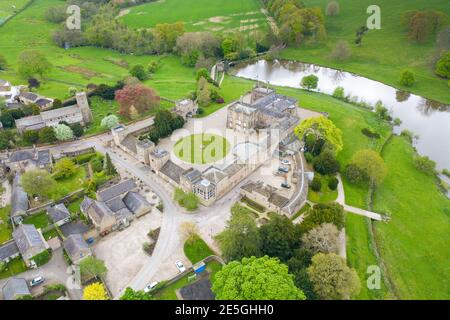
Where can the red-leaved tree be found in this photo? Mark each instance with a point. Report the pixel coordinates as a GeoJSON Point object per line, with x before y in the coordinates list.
{"type": "Point", "coordinates": [136, 98]}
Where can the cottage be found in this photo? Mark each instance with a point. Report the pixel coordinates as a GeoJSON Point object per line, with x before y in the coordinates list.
{"type": "Point", "coordinates": [29, 241]}
{"type": "Point", "coordinates": [125, 140]}
{"type": "Point", "coordinates": [9, 251]}
{"type": "Point", "coordinates": [100, 214]}
{"type": "Point", "coordinates": [15, 288]}
{"type": "Point", "coordinates": [23, 160]}
{"type": "Point", "coordinates": [19, 201]}
{"type": "Point", "coordinates": [137, 204]}
{"type": "Point", "coordinates": [76, 248]}
{"type": "Point", "coordinates": [116, 190]}
{"type": "Point", "coordinates": [59, 214]}
{"type": "Point", "coordinates": [28, 98]}
{"type": "Point", "coordinates": [186, 108]}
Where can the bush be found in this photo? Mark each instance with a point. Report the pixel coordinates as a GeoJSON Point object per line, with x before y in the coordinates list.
{"type": "Point", "coordinates": [341, 51]}
{"type": "Point", "coordinates": [47, 135]}
{"type": "Point", "coordinates": [407, 78]}
{"type": "Point", "coordinates": [97, 164]}
{"type": "Point", "coordinates": [138, 71]}
{"type": "Point", "coordinates": [316, 184]}
{"type": "Point", "coordinates": [338, 93]}
{"type": "Point", "coordinates": [187, 200]}
{"type": "Point", "coordinates": [31, 136]}
{"type": "Point", "coordinates": [443, 66]}
{"type": "Point", "coordinates": [425, 164]}
{"type": "Point", "coordinates": [42, 258]}
{"type": "Point", "coordinates": [333, 183]}
{"type": "Point", "coordinates": [367, 132]}
{"type": "Point", "coordinates": [354, 174]}
{"type": "Point", "coordinates": [326, 163]}
{"type": "Point", "coordinates": [309, 157]}
{"type": "Point", "coordinates": [85, 158]}
{"type": "Point", "coordinates": [332, 9]}
{"type": "Point", "coordinates": [309, 82]}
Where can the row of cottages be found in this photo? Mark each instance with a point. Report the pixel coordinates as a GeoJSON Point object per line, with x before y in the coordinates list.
{"type": "Point", "coordinates": [30, 242]}
{"type": "Point", "coordinates": [115, 207]}
{"type": "Point", "coordinates": [31, 98]}
{"type": "Point", "coordinates": [265, 195]}
{"type": "Point", "coordinates": [78, 113]}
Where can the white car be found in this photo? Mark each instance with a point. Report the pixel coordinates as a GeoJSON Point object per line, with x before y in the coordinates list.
{"type": "Point", "coordinates": [36, 281]}
{"type": "Point", "coordinates": [286, 162]}
{"type": "Point", "coordinates": [150, 287]}
{"type": "Point", "coordinates": [180, 266]}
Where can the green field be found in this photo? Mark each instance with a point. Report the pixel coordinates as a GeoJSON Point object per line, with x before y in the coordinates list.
{"type": "Point", "coordinates": [385, 52]}
{"type": "Point", "coordinates": [9, 7]}
{"type": "Point", "coordinates": [200, 15]}
{"type": "Point", "coordinates": [202, 148]}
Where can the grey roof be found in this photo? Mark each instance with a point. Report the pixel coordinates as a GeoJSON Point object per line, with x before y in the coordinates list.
{"type": "Point", "coordinates": [43, 101]}
{"type": "Point", "coordinates": [159, 153]}
{"type": "Point", "coordinates": [135, 201]}
{"type": "Point", "coordinates": [116, 204]}
{"type": "Point", "coordinates": [60, 112]}
{"type": "Point", "coordinates": [14, 105]}
{"type": "Point", "coordinates": [278, 200]}
{"type": "Point", "coordinates": [145, 143]}
{"type": "Point", "coordinates": [8, 249]}
{"type": "Point", "coordinates": [27, 236]}
{"type": "Point", "coordinates": [172, 171]}
{"type": "Point", "coordinates": [15, 287]}
{"type": "Point", "coordinates": [74, 244]}
{"type": "Point", "coordinates": [43, 157]}
{"type": "Point", "coordinates": [274, 104]}
{"type": "Point", "coordinates": [31, 121]}
{"type": "Point", "coordinates": [58, 212]}
{"type": "Point", "coordinates": [198, 290]}
{"type": "Point", "coordinates": [214, 174]}
{"type": "Point", "coordinates": [3, 82]}
{"type": "Point", "coordinates": [21, 155]}
{"type": "Point", "coordinates": [99, 209]}
{"type": "Point", "coordinates": [86, 203]}
{"type": "Point", "coordinates": [29, 95]}
{"type": "Point", "coordinates": [19, 198]}
{"type": "Point", "coordinates": [116, 190]}
{"type": "Point", "coordinates": [233, 168]}
{"type": "Point", "coordinates": [192, 175]}
{"type": "Point", "coordinates": [74, 228]}
{"type": "Point", "coordinates": [130, 143]}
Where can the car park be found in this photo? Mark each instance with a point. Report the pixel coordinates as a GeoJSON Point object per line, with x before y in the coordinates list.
{"type": "Point", "coordinates": [151, 286]}
{"type": "Point", "coordinates": [36, 281]}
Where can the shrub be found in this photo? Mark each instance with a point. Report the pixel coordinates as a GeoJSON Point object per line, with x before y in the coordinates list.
{"type": "Point", "coordinates": [407, 78]}
{"type": "Point", "coordinates": [443, 65]}
{"type": "Point", "coordinates": [425, 164]}
{"type": "Point", "coordinates": [316, 184]}
{"type": "Point", "coordinates": [64, 168]}
{"type": "Point", "coordinates": [85, 158]}
{"type": "Point", "coordinates": [2, 266]}
{"type": "Point", "coordinates": [367, 132]}
{"type": "Point", "coordinates": [333, 183]}
{"type": "Point", "coordinates": [333, 9]}
{"type": "Point", "coordinates": [47, 135]}
{"type": "Point", "coordinates": [341, 51]}
{"type": "Point", "coordinates": [354, 174]}
{"type": "Point", "coordinates": [309, 157]}
{"type": "Point", "coordinates": [31, 136]}
{"type": "Point", "coordinates": [338, 93]}
{"type": "Point", "coordinates": [138, 71]}
{"type": "Point", "coordinates": [309, 82]}
{"type": "Point", "coordinates": [326, 163]}
{"type": "Point", "coordinates": [42, 258]}
{"type": "Point", "coordinates": [97, 164]}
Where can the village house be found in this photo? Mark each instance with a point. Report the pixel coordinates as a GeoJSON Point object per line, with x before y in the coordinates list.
{"type": "Point", "coordinates": [77, 249]}
{"type": "Point", "coordinates": [8, 251]}
{"type": "Point", "coordinates": [59, 214]}
{"type": "Point", "coordinates": [185, 108]}
{"type": "Point", "coordinates": [265, 195]}
{"type": "Point", "coordinates": [19, 201]}
{"type": "Point", "coordinates": [29, 241]}
{"type": "Point", "coordinates": [15, 288]}
{"type": "Point", "coordinates": [78, 113]}
{"type": "Point", "coordinates": [23, 160]}
{"type": "Point", "coordinates": [125, 140]}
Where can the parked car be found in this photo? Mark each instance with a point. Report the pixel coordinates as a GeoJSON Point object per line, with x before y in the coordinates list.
{"type": "Point", "coordinates": [180, 266]}
{"type": "Point", "coordinates": [36, 281]}
{"type": "Point", "coordinates": [286, 162]}
{"type": "Point", "coordinates": [151, 286]}
{"type": "Point", "coordinates": [283, 169]}
{"type": "Point", "coordinates": [285, 185]}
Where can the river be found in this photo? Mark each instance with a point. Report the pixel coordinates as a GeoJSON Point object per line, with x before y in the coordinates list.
{"type": "Point", "coordinates": [427, 119]}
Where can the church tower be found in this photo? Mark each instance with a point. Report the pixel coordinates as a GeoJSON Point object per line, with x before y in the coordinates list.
{"type": "Point", "coordinates": [83, 104]}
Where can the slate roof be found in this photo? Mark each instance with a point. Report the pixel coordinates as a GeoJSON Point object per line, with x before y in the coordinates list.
{"type": "Point", "coordinates": [233, 168]}
{"type": "Point", "coordinates": [3, 82]}
{"type": "Point", "coordinates": [159, 153]}
{"type": "Point", "coordinates": [29, 95]}
{"type": "Point", "coordinates": [130, 143]}
{"type": "Point", "coordinates": [73, 228]}
{"type": "Point", "coordinates": [15, 287]}
{"type": "Point", "coordinates": [14, 105]}
{"type": "Point", "coordinates": [58, 212]}
{"type": "Point", "coordinates": [21, 155]}
{"type": "Point", "coordinates": [27, 236]}
{"type": "Point", "coordinates": [74, 244]}
{"type": "Point", "coordinates": [19, 198]}
{"type": "Point", "coordinates": [116, 204]}
{"type": "Point", "coordinates": [43, 102]}
{"type": "Point", "coordinates": [31, 121]}
{"type": "Point", "coordinates": [192, 175]}
{"type": "Point", "coordinates": [116, 190]}
{"type": "Point", "coordinates": [198, 290]}
{"type": "Point", "coordinates": [172, 171]}
{"type": "Point", "coordinates": [274, 104]}
{"type": "Point", "coordinates": [60, 112]}
{"type": "Point", "coordinates": [44, 157]}
{"type": "Point", "coordinates": [99, 209]}
{"type": "Point", "coordinates": [278, 200]}
{"type": "Point", "coordinates": [214, 174]}
{"type": "Point", "coordinates": [135, 201]}
{"type": "Point", "coordinates": [8, 249]}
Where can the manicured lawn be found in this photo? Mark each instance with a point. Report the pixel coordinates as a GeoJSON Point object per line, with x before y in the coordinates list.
{"type": "Point", "coordinates": [325, 195]}
{"type": "Point", "coordinates": [385, 52]}
{"type": "Point", "coordinates": [199, 15]}
{"type": "Point", "coordinates": [74, 207]}
{"type": "Point", "coordinates": [71, 184]}
{"type": "Point", "coordinates": [414, 244]}
{"type": "Point", "coordinates": [14, 267]}
{"type": "Point", "coordinates": [202, 148]}
{"type": "Point", "coordinates": [40, 220]}
{"type": "Point", "coordinates": [360, 255]}
{"type": "Point", "coordinates": [9, 7]}
{"type": "Point", "coordinates": [5, 226]}
{"type": "Point", "coordinates": [196, 249]}
{"type": "Point", "coordinates": [50, 234]}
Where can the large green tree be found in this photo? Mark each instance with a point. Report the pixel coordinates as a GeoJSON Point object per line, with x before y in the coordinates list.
{"type": "Point", "coordinates": [370, 163]}
{"type": "Point", "coordinates": [241, 237]}
{"type": "Point", "coordinates": [332, 278]}
{"type": "Point", "coordinates": [64, 168]}
{"type": "Point", "coordinates": [38, 183]}
{"type": "Point", "coordinates": [256, 279]}
{"type": "Point", "coordinates": [131, 294]}
{"type": "Point", "coordinates": [92, 267]}
{"type": "Point", "coordinates": [322, 128]}
{"type": "Point", "coordinates": [32, 62]}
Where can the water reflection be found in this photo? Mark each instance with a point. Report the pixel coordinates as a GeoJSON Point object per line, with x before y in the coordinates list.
{"type": "Point", "coordinates": [426, 118]}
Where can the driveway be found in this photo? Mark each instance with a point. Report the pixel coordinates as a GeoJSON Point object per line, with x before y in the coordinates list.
{"type": "Point", "coordinates": [122, 251]}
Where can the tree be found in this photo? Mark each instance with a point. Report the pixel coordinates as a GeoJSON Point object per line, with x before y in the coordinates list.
{"type": "Point", "coordinates": [279, 237]}
{"type": "Point", "coordinates": [38, 183]}
{"type": "Point", "coordinates": [136, 97]}
{"type": "Point", "coordinates": [255, 279]}
{"type": "Point", "coordinates": [333, 183]}
{"type": "Point", "coordinates": [326, 163]}
{"type": "Point", "coordinates": [323, 128]}
{"type": "Point", "coordinates": [338, 93]}
{"type": "Point", "coordinates": [407, 78]}
{"type": "Point", "coordinates": [32, 62]}
{"type": "Point", "coordinates": [324, 213]}
{"type": "Point", "coordinates": [6, 119]}
{"type": "Point", "coordinates": [203, 73]}
{"type": "Point", "coordinates": [332, 278]}
{"type": "Point", "coordinates": [3, 62]}
{"type": "Point", "coordinates": [131, 294]}
{"type": "Point", "coordinates": [370, 163]}
{"type": "Point", "coordinates": [188, 230]}
{"type": "Point", "coordinates": [341, 51]}
{"type": "Point", "coordinates": [138, 71]}
{"type": "Point", "coordinates": [95, 291]}
{"type": "Point", "coordinates": [63, 132]}
{"type": "Point", "coordinates": [203, 92]}
{"type": "Point", "coordinates": [443, 65]}
{"type": "Point", "coordinates": [110, 121]}
{"type": "Point", "coordinates": [77, 129]}
{"type": "Point", "coordinates": [110, 170]}
{"type": "Point", "coordinates": [64, 168]}
{"type": "Point", "coordinates": [316, 184]}
{"type": "Point", "coordinates": [241, 237]}
{"type": "Point", "coordinates": [47, 135]}
{"type": "Point", "coordinates": [332, 8]}
{"type": "Point", "coordinates": [425, 164]}
{"type": "Point", "coordinates": [323, 238]}
{"type": "Point", "coordinates": [298, 265]}
{"type": "Point", "coordinates": [309, 82]}
{"type": "Point", "coordinates": [3, 266]}
{"type": "Point", "coordinates": [92, 267]}
{"type": "Point", "coordinates": [31, 136]}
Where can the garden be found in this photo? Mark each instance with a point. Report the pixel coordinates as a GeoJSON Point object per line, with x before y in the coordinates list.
{"type": "Point", "coordinates": [202, 148]}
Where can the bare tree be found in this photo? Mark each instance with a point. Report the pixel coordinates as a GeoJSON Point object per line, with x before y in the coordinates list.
{"type": "Point", "coordinates": [323, 238]}
{"type": "Point", "coordinates": [333, 8]}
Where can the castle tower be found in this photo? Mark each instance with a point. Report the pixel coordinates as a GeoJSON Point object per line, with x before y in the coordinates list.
{"type": "Point", "coordinates": [83, 104]}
